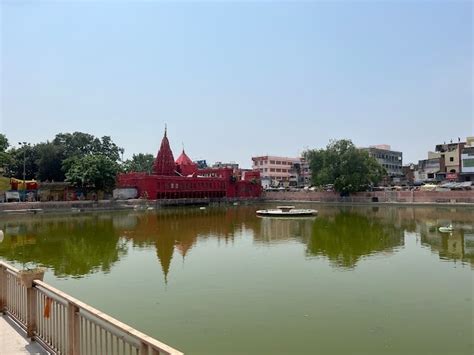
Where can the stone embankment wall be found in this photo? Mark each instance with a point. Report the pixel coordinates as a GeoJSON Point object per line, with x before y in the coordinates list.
{"type": "Point", "coordinates": [110, 204]}
{"type": "Point", "coordinates": [377, 196]}
{"type": "Point", "coordinates": [61, 205]}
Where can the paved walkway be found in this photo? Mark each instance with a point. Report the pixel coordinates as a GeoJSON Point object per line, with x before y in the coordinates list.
{"type": "Point", "coordinates": [13, 341]}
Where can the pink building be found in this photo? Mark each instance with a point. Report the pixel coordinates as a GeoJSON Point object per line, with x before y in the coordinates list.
{"type": "Point", "coordinates": [279, 169]}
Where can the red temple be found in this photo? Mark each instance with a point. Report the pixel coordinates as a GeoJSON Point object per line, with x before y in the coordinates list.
{"type": "Point", "coordinates": [182, 179]}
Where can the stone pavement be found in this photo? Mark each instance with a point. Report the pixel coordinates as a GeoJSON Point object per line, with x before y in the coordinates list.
{"type": "Point", "coordinates": [13, 340]}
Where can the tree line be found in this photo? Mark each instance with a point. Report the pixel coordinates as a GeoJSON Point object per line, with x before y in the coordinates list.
{"type": "Point", "coordinates": [87, 161]}
{"type": "Point", "coordinates": [79, 158]}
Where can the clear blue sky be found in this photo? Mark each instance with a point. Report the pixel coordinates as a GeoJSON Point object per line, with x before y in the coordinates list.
{"type": "Point", "coordinates": [233, 80]}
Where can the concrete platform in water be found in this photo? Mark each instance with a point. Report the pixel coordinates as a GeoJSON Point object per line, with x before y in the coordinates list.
{"type": "Point", "coordinates": [287, 211]}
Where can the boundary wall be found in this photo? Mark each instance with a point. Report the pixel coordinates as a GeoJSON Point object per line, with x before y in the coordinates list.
{"type": "Point", "coordinates": [432, 197]}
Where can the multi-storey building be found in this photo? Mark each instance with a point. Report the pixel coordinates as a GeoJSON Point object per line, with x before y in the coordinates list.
{"type": "Point", "coordinates": [201, 164]}
{"type": "Point", "coordinates": [467, 160]}
{"type": "Point", "coordinates": [300, 174]}
{"type": "Point", "coordinates": [231, 165]}
{"type": "Point", "coordinates": [450, 154]}
{"type": "Point", "coordinates": [276, 170]}
{"type": "Point", "coordinates": [429, 170]}
{"type": "Point", "coordinates": [409, 172]}
{"type": "Point", "coordinates": [391, 160]}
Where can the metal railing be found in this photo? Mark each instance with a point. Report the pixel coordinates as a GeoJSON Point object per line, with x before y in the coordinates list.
{"type": "Point", "coordinates": [16, 292]}
{"type": "Point", "coordinates": [65, 325]}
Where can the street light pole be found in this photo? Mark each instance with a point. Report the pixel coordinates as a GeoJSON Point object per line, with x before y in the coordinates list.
{"type": "Point", "coordinates": [24, 145]}
{"type": "Point", "coordinates": [24, 167]}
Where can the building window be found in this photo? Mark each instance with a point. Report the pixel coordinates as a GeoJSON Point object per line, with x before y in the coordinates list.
{"type": "Point", "coordinates": [272, 170]}
{"type": "Point", "coordinates": [468, 163]}
{"type": "Point", "coordinates": [451, 158]}
{"type": "Point", "coordinates": [278, 162]}
{"type": "Point", "coordinates": [272, 161]}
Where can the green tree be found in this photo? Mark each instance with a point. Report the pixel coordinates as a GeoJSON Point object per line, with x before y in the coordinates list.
{"type": "Point", "coordinates": [3, 143]}
{"type": "Point", "coordinates": [50, 160]}
{"type": "Point", "coordinates": [27, 155]}
{"type": "Point", "coordinates": [4, 155]}
{"type": "Point", "coordinates": [350, 169]}
{"type": "Point", "coordinates": [5, 162]}
{"type": "Point", "coordinates": [139, 163]}
{"type": "Point", "coordinates": [78, 144]}
{"type": "Point", "coordinates": [93, 171]}
{"type": "Point", "coordinates": [107, 147]}
{"type": "Point", "coordinates": [53, 160]}
{"type": "Point", "coordinates": [75, 144]}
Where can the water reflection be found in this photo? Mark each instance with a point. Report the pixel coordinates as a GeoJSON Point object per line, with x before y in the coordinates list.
{"type": "Point", "coordinates": [78, 245]}
{"type": "Point", "coordinates": [179, 230]}
{"type": "Point", "coordinates": [69, 246]}
{"type": "Point", "coordinates": [457, 245]}
{"type": "Point", "coordinates": [274, 230]}
{"type": "Point", "coordinates": [346, 237]}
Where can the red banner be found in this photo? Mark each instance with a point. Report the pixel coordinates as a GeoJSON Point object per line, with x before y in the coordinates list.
{"type": "Point", "coordinates": [452, 176]}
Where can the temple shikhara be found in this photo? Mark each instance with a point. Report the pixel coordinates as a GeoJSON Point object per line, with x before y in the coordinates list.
{"type": "Point", "coordinates": [181, 178]}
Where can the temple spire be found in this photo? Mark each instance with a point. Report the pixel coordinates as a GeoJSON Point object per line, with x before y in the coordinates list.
{"type": "Point", "coordinates": [164, 163]}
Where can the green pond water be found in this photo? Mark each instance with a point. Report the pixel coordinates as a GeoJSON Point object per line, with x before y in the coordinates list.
{"type": "Point", "coordinates": [357, 280]}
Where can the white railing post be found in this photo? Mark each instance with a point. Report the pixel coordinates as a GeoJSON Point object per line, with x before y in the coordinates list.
{"type": "Point", "coordinates": [27, 277]}
{"type": "Point", "coordinates": [144, 350]}
{"type": "Point", "coordinates": [3, 288]}
{"type": "Point", "coordinates": [30, 312]}
{"type": "Point", "coordinates": [73, 334]}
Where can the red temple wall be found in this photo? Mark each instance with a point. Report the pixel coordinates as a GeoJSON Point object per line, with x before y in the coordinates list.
{"type": "Point", "coordinates": [156, 187]}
